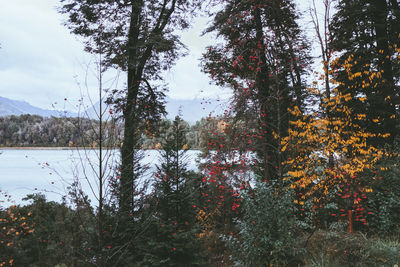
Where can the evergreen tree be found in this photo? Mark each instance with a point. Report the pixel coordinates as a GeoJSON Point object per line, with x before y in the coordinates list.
{"type": "Point", "coordinates": [172, 237]}
{"type": "Point", "coordinates": [365, 33]}
{"type": "Point", "coordinates": [262, 57]}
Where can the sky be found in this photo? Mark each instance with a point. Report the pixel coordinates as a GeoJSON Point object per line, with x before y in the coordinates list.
{"type": "Point", "coordinates": [43, 64]}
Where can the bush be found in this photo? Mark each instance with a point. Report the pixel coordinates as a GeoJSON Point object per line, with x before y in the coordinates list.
{"type": "Point", "coordinates": [266, 232]}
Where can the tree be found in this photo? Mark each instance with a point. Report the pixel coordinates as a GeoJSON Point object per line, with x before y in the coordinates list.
{"type": "Point", "coordinates": [266, 230]}
{"type": "Point", "coordinates": [171, 239]}
{"type": "Point", "coordinates": [262, 58]}
{"type": "Point", "coordinates": [104, 138]}
{"type": "Point", "coordinates": [14, 224]}
{"type": "Point", "coordinates": [224, 169]}
{"type": "Point", "coordinates": [382, 207]}
{"type": "Point", "coordinates": [323, 37]}
{"type": "Point", "coordinates": [139, 38]}
{"type": "Point", "coordinates": [365, 33]}
{"type": "Point", "coordinates": [330, 151]}
{"type": "Point", "coordinates": [47, 233]}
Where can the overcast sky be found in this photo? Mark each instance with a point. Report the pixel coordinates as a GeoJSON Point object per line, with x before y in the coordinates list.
{"type": "Point", "coordinates": [42, 63]}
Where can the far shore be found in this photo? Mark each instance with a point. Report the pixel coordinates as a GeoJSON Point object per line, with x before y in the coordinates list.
{"type": "Point", "coordinates": [36, 147]}
{"type": "Point", "coordinates": [62, 148]}
{"type": "Point", "coordinates": [44, 148]}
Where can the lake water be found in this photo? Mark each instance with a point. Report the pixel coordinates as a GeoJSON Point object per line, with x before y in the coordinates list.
{"type": "Point", "coordinates": [50, 172]}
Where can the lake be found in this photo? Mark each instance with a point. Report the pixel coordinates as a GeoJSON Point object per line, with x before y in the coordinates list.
{"type": "Point", "coordinates": [28, 171]}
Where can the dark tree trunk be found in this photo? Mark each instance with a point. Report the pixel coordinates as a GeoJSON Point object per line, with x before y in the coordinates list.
{"type": "Point", "coordinates": [380, 13]}
{"type": "Point", "coordinates": [263, 87]}
{"type": "Point", "coordinates": [130, 123]}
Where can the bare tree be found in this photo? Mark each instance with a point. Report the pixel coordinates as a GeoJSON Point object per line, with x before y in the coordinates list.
{"type": "Point", "coordinates": [322, 34]}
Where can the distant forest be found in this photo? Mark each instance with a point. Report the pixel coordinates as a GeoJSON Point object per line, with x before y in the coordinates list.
{"type": "Point", "coordinates": [37, 131]}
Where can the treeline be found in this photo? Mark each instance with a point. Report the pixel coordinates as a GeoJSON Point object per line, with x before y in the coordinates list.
{"type": "Point", "coordinates": [34, 130]}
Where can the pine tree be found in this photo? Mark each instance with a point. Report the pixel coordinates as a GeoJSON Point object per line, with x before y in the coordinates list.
{"type": "Point", "coordinates": [365, 33]}
{"type": "Point", "coordinates": [172, 237]}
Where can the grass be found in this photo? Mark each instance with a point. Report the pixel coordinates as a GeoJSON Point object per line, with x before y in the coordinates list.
{"type": "Point", "coordinates": [332, 248]}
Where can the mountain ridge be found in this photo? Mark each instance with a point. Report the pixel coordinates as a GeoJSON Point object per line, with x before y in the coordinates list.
{"type": "Point", "coordinates": [191, 110]}
{"type": "Point", "coordinates": [10, 107]}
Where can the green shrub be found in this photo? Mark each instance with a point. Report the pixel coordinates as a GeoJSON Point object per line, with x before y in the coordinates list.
{"type": "Point", "coordinates": [266, 230]}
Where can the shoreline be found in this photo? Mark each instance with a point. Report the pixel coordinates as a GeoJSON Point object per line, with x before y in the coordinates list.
{"type": "Point", "coordinates": [34, 148]}
{"type": "Point", "coordinates": [44, 148]}
{"type": "Point", "coordinates": [64, 148]}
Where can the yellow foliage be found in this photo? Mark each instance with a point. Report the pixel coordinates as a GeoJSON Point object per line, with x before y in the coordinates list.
{"type": "Point", "coordinates": [331, 149]}
{"type": "Point", "coordinates": [158, 146]}
{"type": "Point", "coordinates": [296, 173]}
{"type": "Point", "coordinates": [12, 225]}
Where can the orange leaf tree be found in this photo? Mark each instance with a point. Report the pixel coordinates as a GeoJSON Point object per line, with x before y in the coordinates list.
{"type": "Point", "coordinates": [330, 149]}
{"type": "Point", "coordinates": [13, 226]}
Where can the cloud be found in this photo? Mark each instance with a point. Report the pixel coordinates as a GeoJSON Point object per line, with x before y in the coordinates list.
{"type": "Point", "coordinates": [39, 58]}
{"type": "Point", "coordinates": [185, 79]}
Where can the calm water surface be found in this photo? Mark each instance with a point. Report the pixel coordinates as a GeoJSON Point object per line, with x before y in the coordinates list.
{"type": "Point", "coordinates": [50, 172]}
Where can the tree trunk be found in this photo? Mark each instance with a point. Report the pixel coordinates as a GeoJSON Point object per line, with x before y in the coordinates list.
{"type": "Point", "coordinates": [263, 87]}
{"type": "Point", "coordinates": [350, 219]}
{"type": "Point", "coordinates": [129, 113]}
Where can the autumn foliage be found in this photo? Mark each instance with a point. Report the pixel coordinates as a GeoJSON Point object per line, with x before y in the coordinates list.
{"type": "Point", "coordinates": [291, 174]}
{"type": "Point", "coordinates": [14, 226]}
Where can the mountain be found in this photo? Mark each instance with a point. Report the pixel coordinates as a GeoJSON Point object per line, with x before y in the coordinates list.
{"type": "Point", "coordinates": [191, 110]}
{"type": "Point", "coordinates": [16, 107]}
{"type": "Point", "coordinates": [194, 109]}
